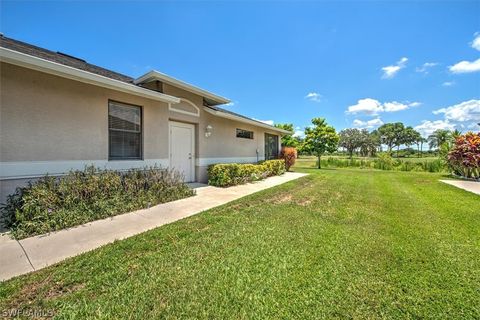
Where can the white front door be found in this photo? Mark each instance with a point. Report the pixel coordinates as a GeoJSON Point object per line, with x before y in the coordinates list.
{"type": "Point", "coordinates": [182, 149]}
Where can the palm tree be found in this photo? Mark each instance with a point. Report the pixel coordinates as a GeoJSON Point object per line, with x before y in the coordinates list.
{"type": "Point", "coordinates": [456, 133]}
{"type": "Point", "coordinates": [418, 140]}
{"type": "Point", "coordinates": [438, 138]}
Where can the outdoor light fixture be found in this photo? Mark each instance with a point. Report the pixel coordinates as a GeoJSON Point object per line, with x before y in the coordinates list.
{"type": "Point", "coordinates": [208, 131]}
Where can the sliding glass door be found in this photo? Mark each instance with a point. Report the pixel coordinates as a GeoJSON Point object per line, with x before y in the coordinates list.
{"type": "Point", "coordinates": [271, 146]}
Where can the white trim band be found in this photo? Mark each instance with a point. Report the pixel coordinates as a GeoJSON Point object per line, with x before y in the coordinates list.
{"type": "Point", "coordinates": [202, 162]}
{"type": "Point", "coordinates": [33, 169]}
{"type": "Point", "coordinates": [156, 75]}
{"type": "Point", "coordinates": [35, 63]}
{"type": "Point", "coordinates": [244, 120]}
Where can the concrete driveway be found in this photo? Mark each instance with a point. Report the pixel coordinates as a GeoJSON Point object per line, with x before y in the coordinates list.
{"type": "Point", "coordinates": [470, 186]}
{"type": "Point", "coordinates": [19, 257]}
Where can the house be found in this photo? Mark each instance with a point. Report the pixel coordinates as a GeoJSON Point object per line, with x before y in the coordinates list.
{"type": "Point", "coordinates": [59, 112]}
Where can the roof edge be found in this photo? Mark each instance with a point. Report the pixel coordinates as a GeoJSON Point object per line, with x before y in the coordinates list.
{"type": "Point", "coordinates": [50, 67]}
{"type": "Point", "coordinates": [244, 120]}
{"type": "Point", "coordinates": [157, 75]}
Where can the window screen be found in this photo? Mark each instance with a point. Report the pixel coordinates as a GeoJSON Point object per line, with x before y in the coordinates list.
{"type": "Point", "coordinates": [125, 131]}
{"type": "Point", "coordinates": [244, 134]}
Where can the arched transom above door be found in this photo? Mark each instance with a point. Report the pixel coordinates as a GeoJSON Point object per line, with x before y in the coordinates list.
{"type": "Point", "coordinates": [186, 107]}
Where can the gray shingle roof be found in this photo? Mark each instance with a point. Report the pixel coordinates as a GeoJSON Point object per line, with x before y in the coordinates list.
{"type": "Point", "coordinates": [61, 58]}
{"type": "Point", "coordinates": [81, 64]}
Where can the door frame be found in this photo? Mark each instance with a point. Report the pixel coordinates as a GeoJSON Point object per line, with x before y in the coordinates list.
{"type": "Point", "coordinates": [192, 178]}
{"type": "Point", "coordinates": [265, 137]}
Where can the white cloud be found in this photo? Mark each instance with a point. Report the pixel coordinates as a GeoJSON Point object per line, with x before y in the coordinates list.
{"type": "Point", "coordinates": [448, 83]}
{"type": "Point", "coordinates": [367, 124]}
{"type": "Point", "coordinates": [415, 104]}
{"type": "Point", "coordinates": [299, 133]}
{"type": "Point", "coordinates": [427, 127]}
{"type": "Point", "coordinates": [314, 96]}
{"type": "Point", "coordinates": [230, 104]}
{"type": "Point", "coordinates": [394, 106]}
{"type": "Point", "coordinates": [367, 106]}
{"type": "Point", "coordinates": [473, 126]}
{"type": "Point", "coordinates": [269, 122]}
{"type": "Point", "coordinates": [465, 66]}
{"type": "Point", "coordinates": [464, 111]}
{"type": "Point", "coordinates": [390, 71]}
{"type": "Point", "coordinates": [476, 41]}
{"type": "Point", "coordinates": [425, 67]}
{"type": "Point", "coordinates": [374, 107]}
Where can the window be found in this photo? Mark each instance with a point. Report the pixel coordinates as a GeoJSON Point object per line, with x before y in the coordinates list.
{"type": "Point", "coordinates": [124, 131]}
{"type": "Point", "coordinates": [244, 134]}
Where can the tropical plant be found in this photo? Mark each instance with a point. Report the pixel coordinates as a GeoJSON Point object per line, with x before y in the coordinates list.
{"type": "Point", "coordinates": [320, 138]}
{"type": "Point", "coordinates": [455, 134]}
{"type": "Point", "coordinates": [464, 158]}
{"type": "Point", "coordinates": [288, 154]}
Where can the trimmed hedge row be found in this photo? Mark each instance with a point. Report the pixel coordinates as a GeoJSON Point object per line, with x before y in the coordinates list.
{"type": "Point", "coordinates": [231, 174]}
{"type": "Point", "coordinates": [54, 203]}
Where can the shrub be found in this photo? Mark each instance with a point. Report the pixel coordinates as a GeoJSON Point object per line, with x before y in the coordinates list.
{"type": "Point", "coordinates": [384, 162]}
{"type": "Point", "coordinates": [464, 158]}
{"type": "Point", "coordinates": [274, 167]}
{"type": "Point", "coordinates": [288, 154]}
{"type": "Point", "coordinates": [54, 203]}
{"type": "Point", "coordinates": [231, 174]}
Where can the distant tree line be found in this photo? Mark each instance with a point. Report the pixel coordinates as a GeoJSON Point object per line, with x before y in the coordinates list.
{"type": "Point", "coordinates": [363, 142]}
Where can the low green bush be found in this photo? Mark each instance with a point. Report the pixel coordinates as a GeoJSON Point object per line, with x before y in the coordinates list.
{"type": "Point", "coordinates": [54, 203]}
{"type": "Point", "coordinates": [384, 162]}
{"type": "Point", "coordinates": [274, 167]}
{"type": "Point", "coordinates": [231, 174]}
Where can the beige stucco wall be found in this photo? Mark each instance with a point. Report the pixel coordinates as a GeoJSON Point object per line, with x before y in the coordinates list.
{"type": "Point", "coordinates": [49, 118]}
{"type": "Point", "coordinates": [45, 117]}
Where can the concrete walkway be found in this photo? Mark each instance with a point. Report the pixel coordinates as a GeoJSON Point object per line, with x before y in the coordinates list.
{"type": "Point", "coordinates": [471, 186]}
{"type": "Point", "coordinates": [19, 257]}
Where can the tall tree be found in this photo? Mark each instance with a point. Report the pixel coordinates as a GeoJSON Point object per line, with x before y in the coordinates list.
{"type": "Point", "coordinates": [365, 143]}
{"type": "Point", "coordinates": [438, 138]}
{"type": "Point", "coordinates": [410, 136]}
{"type": "Point", "coordinates": [399, 134]}
{"type": "Point", "coordinates": [392, 135]}
{"type": "Point", "coordinates": [419, 141]}
{"type": "Point", "coordinates": [320, 138]}
{"type": "Point", "coordinates": [288, 140]}
{"type": "Point", "coordinates": [350, 140]}
{"type": "Point", "coordinates": [376, 140]}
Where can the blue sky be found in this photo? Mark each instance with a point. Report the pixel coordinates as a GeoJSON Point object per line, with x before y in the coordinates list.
{"type": "Point", "coordinates": [354, 63]}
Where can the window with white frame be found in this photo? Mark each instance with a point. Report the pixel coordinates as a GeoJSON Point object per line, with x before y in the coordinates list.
{"type": "Point", "coordinates": [124, 131]}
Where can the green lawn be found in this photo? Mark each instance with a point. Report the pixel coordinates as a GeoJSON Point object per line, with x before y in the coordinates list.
{"type": "Point", "coordinates": [336, 244]}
